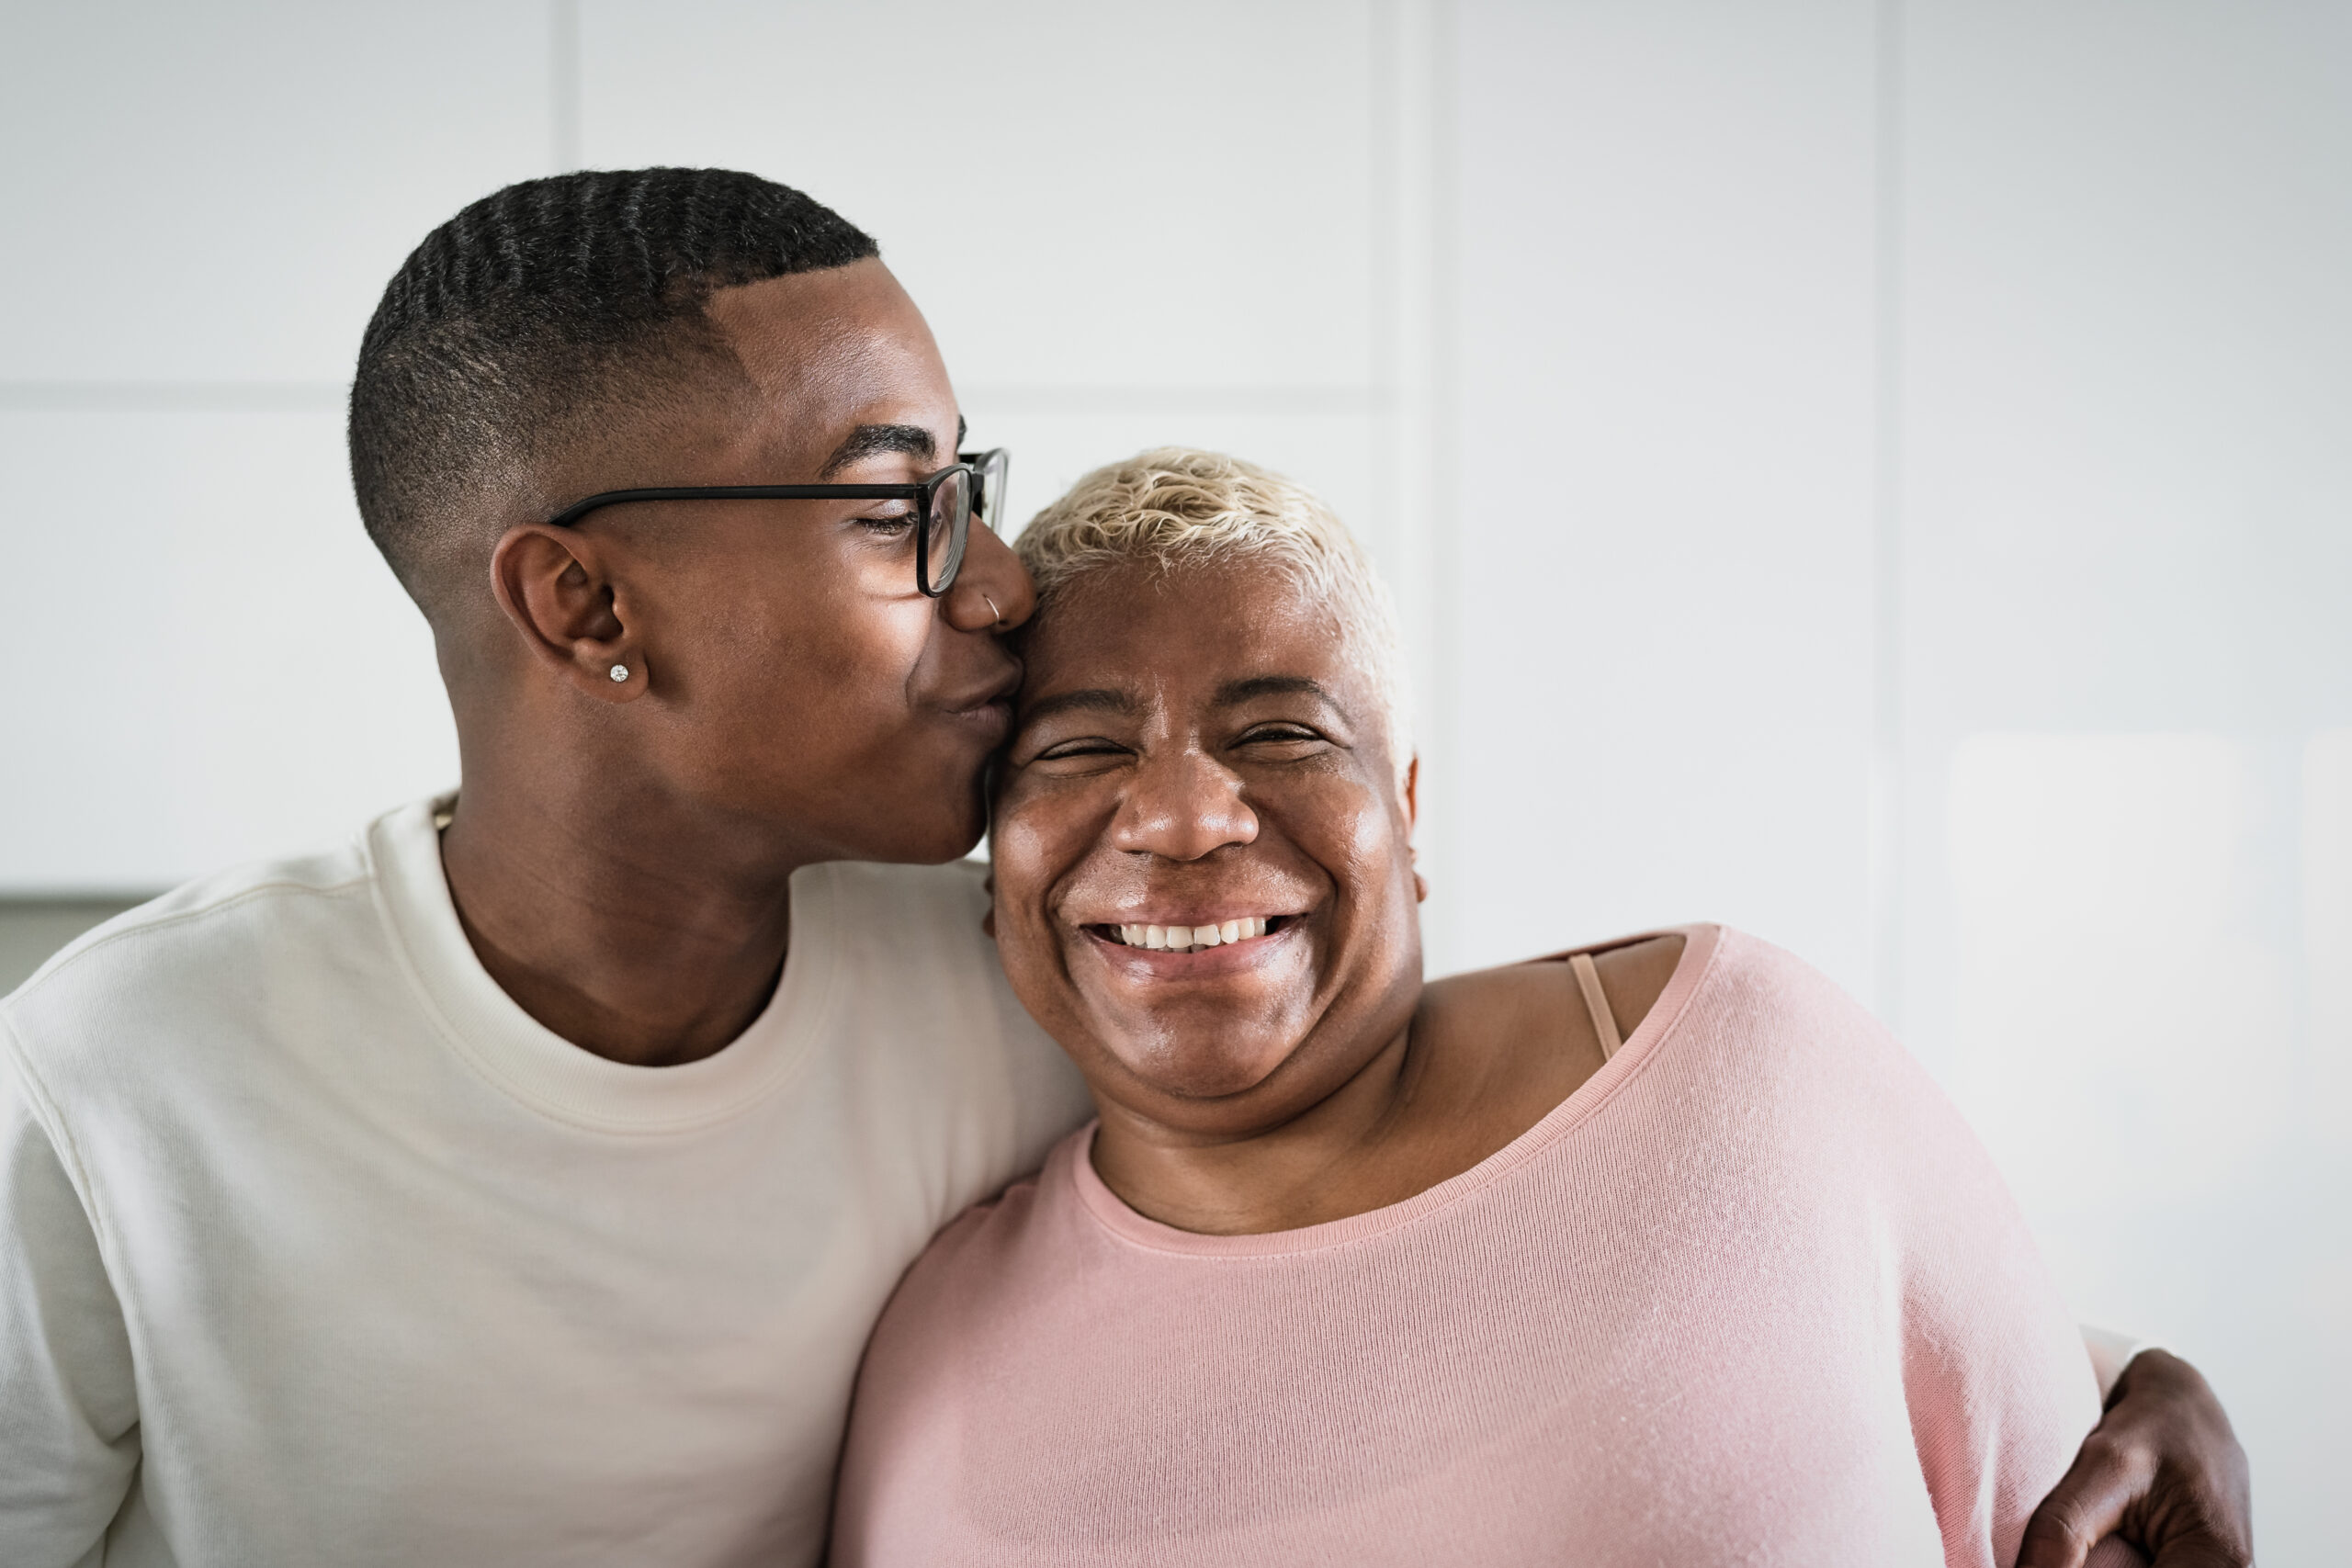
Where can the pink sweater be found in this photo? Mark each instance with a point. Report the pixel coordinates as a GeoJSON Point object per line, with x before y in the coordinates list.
{"type": "Point", "coordinates": [1752, 1294]}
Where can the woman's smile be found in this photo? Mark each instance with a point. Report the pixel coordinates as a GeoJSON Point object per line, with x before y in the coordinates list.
{"type": "Point", "coordinates": [1198, 949]}
{"type": "Point", "coordinates": [1190, 933]}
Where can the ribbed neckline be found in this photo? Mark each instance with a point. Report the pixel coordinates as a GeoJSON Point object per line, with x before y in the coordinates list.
{"type": "Point", "coordinates": [532, 1063]}
{"type": "Point", "coordinates": [1701, 943]}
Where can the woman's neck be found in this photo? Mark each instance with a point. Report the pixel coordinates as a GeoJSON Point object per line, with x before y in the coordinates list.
{"type": "Point", "coordinates": [1322, 1164]}
{"type": "Point", "coordinates": [1484, 1057]}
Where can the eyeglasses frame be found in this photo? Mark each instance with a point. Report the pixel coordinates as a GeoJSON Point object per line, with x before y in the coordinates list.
{"type": "Point", "coordinates": [974, 464]}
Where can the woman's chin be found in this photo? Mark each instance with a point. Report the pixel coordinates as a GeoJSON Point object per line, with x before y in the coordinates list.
{"type": "Point", "coordinates": [1204, 1071]}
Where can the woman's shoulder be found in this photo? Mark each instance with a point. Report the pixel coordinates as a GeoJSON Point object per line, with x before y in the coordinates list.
{"type": "Point", "coordinates": [1725, 1005]}
{"type": "Point", "coordinates": [1651, 978]}
{"type": "Point", "coordinates": [1784, 1038]}
{"type": "Point", "coordinates": [1647, 979]}
{"type": "Point", "coordinates": [1633, 971]}
{"type": "Point", "coordinates": [1773, 983]}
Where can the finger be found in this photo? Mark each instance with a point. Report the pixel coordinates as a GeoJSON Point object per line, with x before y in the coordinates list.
{"type": "Point", "coordinates": [2201, 1551]}
{"type": "Point", "coordinates": [2087, 1503]}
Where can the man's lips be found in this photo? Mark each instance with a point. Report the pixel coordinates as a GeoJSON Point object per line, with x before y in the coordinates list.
{"type": "Point", "coordinates": [987, 707]}
{"type": "Point", "coordinates": [992, 719]}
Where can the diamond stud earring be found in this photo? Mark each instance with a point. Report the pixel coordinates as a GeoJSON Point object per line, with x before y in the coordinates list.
{"type": "Point", "coordinates": [620, 671]}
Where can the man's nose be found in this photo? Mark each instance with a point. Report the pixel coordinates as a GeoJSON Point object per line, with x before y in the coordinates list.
{"type": "Point", "coordinates": [1181, 806]}
{"type": "Point", "coordinates": [991, 588]}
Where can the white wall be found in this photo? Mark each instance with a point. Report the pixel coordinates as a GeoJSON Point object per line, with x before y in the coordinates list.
{"type": "Point", "coordinates": [219, 666]}
{"type": "Point", "coordinates": [1904, 472]}
{"type": "Point", "coordinates": [202, 205]}
{"type": "Point", "coordinates": [1874, 473]}
{"type": "Point", "coordinates": [2127, 655]}
{"type": "Point", "coordinates": [1662, 631]}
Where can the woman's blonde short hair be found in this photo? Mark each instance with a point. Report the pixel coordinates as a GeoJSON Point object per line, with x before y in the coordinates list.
{"type": "Point", "coordinates": [1178, 506]}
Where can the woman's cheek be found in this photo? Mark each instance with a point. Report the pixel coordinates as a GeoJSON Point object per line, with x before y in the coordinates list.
{"type": "Point", "coordinates": [1347, 829]}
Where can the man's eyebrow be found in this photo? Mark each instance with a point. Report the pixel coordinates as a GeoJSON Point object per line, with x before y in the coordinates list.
{"type": "Point", "coordinates": [868, 440]}
{"type": "Point", "coordinates": [1234, 693]}
{"type": "Point", "coordinates": [963, 428]}
{"type": "Point", "coordinates": [1102, 699]}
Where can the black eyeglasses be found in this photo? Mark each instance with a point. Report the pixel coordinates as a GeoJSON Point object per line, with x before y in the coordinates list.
{"type": "Point", "coordinates": [944, 502]}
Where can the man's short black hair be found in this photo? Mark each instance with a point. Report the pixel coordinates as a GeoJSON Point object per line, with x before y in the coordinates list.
{"type": "Point", "coordinates": [547, 301]}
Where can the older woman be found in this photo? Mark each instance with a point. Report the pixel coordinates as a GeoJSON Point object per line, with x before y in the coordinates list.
{"type": "Point", "coordinates": [1663, 1253]}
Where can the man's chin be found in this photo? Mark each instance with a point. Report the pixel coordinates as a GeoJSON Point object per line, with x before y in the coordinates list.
{"type": "Point", "coordinates": [948, 843]}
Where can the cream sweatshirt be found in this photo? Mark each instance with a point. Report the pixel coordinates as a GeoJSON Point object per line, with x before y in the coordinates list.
{"type": "Point", "coordinates": [315, 1248]}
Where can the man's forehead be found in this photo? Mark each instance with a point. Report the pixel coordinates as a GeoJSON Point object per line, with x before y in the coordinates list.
{"type": "Point", "coordinates": [847, 328]}
{"type": "Point", "coordinates": [842, 364]}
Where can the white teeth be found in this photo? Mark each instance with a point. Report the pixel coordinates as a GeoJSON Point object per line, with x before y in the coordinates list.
{"type": "Point", "coordinates": [1192, 939]}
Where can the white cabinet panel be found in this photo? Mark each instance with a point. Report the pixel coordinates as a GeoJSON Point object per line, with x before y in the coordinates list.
{"type": "Point", "coordinates": [219, 192]}
{"type": "Point", "coordinates": [1116, 196]}
{"type": "Point", "coordinates": [2110, 935]}
{"type": "Point", "coordinates": [213, 661]}
{"type": "Point", "coordinates": [1664, 551]}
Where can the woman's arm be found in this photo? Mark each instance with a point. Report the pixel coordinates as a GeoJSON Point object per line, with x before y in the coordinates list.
{"type": "Point", "coordinates": [1995, 1375]}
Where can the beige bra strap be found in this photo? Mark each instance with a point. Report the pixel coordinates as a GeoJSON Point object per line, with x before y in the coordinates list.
{"type": "Point", "coordinates": [1604, 1023]}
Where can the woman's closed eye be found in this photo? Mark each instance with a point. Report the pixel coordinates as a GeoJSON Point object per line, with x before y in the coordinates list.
{"type": "Point", "coordinates": [1281, 740]}
{"type": "Point", "coordinates": [1079, 751]}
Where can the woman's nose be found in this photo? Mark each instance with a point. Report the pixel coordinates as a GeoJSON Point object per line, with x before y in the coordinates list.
{"type": "Point", "coordinates": [1182, 807]}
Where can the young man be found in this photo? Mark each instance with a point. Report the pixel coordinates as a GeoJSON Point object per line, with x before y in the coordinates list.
{"type": "Point", "coordinates": [492, 1187]}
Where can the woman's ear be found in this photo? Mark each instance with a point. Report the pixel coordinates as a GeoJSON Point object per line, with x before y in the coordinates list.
{"type": "Point", "coordinates": [558, 588]}
{"type": "Point", "coordinates": [1409, 791]}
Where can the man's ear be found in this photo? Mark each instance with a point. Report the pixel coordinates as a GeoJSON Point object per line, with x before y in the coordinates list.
{"type": "Point", "coordinates": [556, 587]}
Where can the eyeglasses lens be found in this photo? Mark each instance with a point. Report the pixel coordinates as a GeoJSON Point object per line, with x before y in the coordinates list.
{"type": "Point", "coordinates": [991, 470]}
{"type": "Point", "coordinates": [943, 533]}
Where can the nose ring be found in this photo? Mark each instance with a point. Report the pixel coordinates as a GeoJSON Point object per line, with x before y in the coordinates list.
{"type": "Point", "coordinates": [993, 609]}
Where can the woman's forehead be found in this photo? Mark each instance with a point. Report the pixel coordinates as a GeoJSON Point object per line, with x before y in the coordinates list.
{"type": "Point", "coordinates": [1144, 622]}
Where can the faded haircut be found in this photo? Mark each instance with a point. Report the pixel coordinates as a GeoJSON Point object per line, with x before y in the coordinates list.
{"type": "Point", "coordinates": [1176, 507]}
{"type": "Point", "coordinates": [523, 323]}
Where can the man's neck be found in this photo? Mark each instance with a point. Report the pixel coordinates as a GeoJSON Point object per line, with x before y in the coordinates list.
{"type": "Point", "coordinates": [643, 940]}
